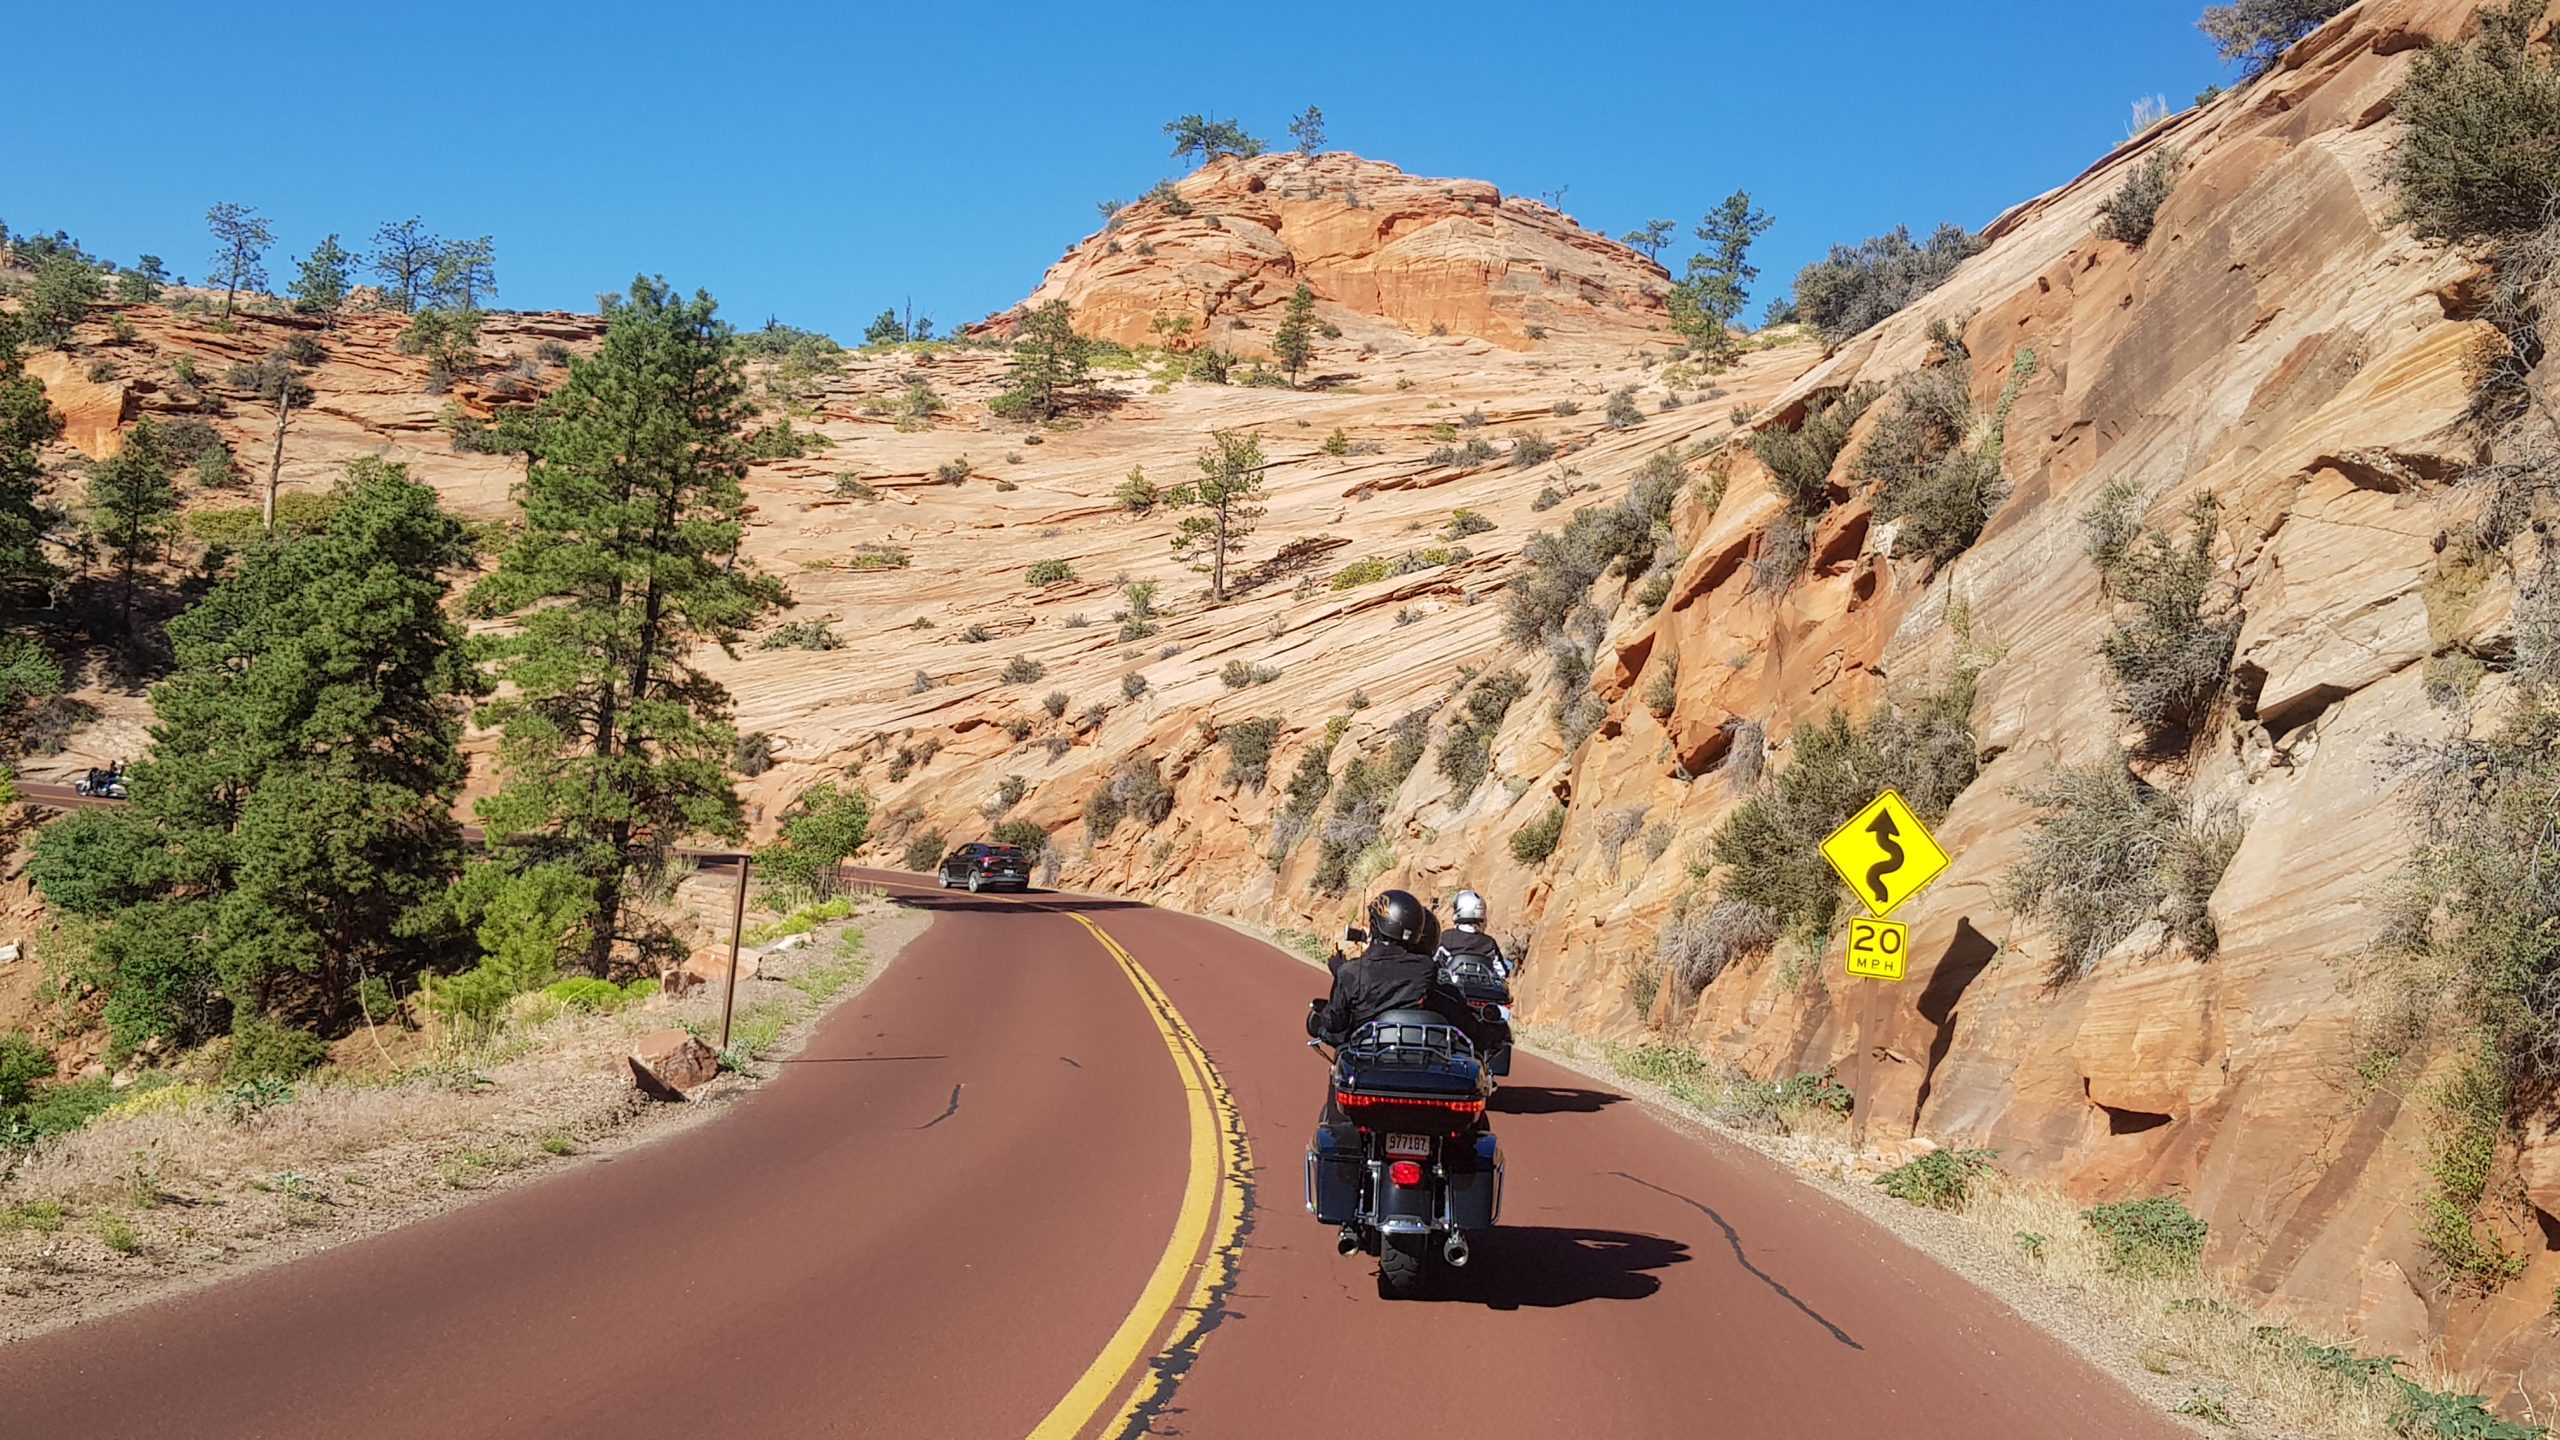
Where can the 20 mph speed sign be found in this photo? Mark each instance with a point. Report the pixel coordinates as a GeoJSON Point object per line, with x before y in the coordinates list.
{"type": "Point", "coordinates": [1878, 949]}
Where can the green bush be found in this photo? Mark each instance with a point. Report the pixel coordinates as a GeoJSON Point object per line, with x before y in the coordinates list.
{"type": "Point", "coordinates": [583, 992]}
{"type": "Point", "coordinates": [2168, 659]}
{"type": "Point", "coordinates": [1923, 747]}
{"type": "Point", "coordinates": [1855, 287]}
{"type": "Point", "coordinates": [1022, 670]}
{"type": "Point", "coordinates": [1241, 675]}
{"type": "Point", "coordinates": [1466, 752]}
{"type": "Point", "coordinates": [2110, 852]}
{"type": "Point", "coordinates": [2479, 156]}
{"type": "Point", "coordinates": [1464, 522]}
{"type": "Point", "coordinates": [1560, 569]}
{"type": "Point", "coordinates": [1799, 461]}
{"type": "Point", "coordinates": [262, 1048]}
{"type": "Point", "coordinates": [781, 442]}
{"type": "Point", "coordinates": [1475, 452]}
{"type": "Point", "coordinates": [1249, 745]}
{"type": "Point", "coordinates": [1530, 448]}
{"type": "Point", "coordinates": [1940, 1180]}
{"type": "Point", "coordinates": [1024, 835]}
{"type": "Point", "coordinates": [23, 1062]}
{"type": "Point", "coordinates": [1361, 800]}
{"type": "Point", "coordinates": [2158, 1236]}
{"type": "Point", "coordinates": [924, 851]}
{"type": "Point", "coordinates": [2128, 214]}
{"type": "Point", "coordinates": [823, 826]}
{"type": "Point", "coordinates": [1532, 843]}
{"type": "Point", "coordinates": [1308, 784]}
{"type": "Point", "coordinates": [1623, 413]}
{"type": "Point", "coordinates": [1938, 466]}
{"type": "Point", "coordinates": [2256, 33]}
{"type": "Point", "coordinates": [1045, 573]}
{"type": "Point", "coordinates": [801, 635]}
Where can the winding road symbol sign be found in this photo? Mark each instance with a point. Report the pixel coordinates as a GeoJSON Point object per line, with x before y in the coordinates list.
{"type": "Point", "coordinates": [1884, 853]}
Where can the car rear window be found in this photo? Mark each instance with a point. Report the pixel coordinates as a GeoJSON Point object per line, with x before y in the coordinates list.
{"type": "Point", "coordinates": [1005, 852]}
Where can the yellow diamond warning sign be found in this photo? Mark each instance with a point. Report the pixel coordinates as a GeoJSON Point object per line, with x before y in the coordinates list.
{"type": "Point", "coordinates": [1878, 949]}
{"type": "Point", "coordinates": [1884, 853]}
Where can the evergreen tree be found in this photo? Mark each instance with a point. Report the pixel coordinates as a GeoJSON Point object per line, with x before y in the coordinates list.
{"type": "Point", "coordinates": [1209, 139]}
{"type": "Point", "coordinates": [885, 330]}
{"type": "Point", "coordinates": [292, 827]}
{"type": "Point", "coordinates": [27, 424]}
{"type": "Point", "coordinates": [404, 258]}
{"type": "Point", "coordinates": [1226, 499]}
{"type": "Point", "coordinates": [1308, 131]}
{"type": "Point", "coordinates": [613, 745]}
{"type": "Point", "coordinates": [60, 298]}
{"type": "Point", "coordinates": [321, 288]}
{"type": "Point", "coordinates": [1708, 298]}
{"type": "Point", "coordinates": [240, 241]}
{"type": "Point", "coordinates": [1294, 343]}
{"type": "Point", "coordinates": [1050, 365]}
{"type": "Point", "coordinates": [1649, 237]}
{"type": "Point", "coordinates": [132, 501]}
{"type": "Point", "coordinates": [140, 283]}
{"type": "Point", "coordinates": [448, 337]}
{"type": "Point", "coordinates": [465, 273]}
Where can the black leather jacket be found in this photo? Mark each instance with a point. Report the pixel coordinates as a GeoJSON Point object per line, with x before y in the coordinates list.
{"type": "Point", "coordinates": [1385, 977]}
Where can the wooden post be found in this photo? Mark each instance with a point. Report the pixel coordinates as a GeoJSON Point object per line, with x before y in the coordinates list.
{"type": "Point", "coordinates": [275, 468]}
{"type": "Point", "coordinates": [737, 924]}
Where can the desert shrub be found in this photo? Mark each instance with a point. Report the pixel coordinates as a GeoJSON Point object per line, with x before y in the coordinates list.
{"type": "Point", "coordinates": [2128, 214]}
{"type": "Point", "coordinates": [2109, 528]}
{"type": "Point", "coordinates": [924, 851]}
{"type": "Point", "coordinates": [922, 682]}
{"type": "Point", "coordinates": [1855, 287]}
{"type": "Point", "coordinates": [1360, 801]}
{"type": "Point", "coordinates": [1615, 829]}
{"type": "Point", "coordinates": [23, 1062]}
{"type": "Point", "coordinates": [2167, 656]}
{"type": "Point", "coordinates": [1532, 843]}
{"type": "Point", "coordinates": [953, 471]}
{"type": "Point", "coordinates": [1249, 745]}
{"type": "Point", "coordinates": [1662, 692]}
{"type": "Point", "coordinates": [753, 754]}
{"type": "Point", "coordinates": [1940, 469]}
{"type": "Point", "coordinates": [1362, 572]}
{"type": "Point", "coordinates": [1024, 835]}
{"type": "Point", "coordinates": [1133, 684]}
{"type": "Point", "coordinates": [1045, 573]}
{"type": "Point", "coordinates": [850, 486]}
{"type": "Point", "coordinates": [2110, 852]}
{"type": "Point", "coordinates": [2480, 154]}
{"type": "Point", "coordinates": [1548, 498]}
{"type": "Point", "coordinates": [1475, 452]}
{"type": "Point", "coordinates": [1055, 702]}
{"type": "Point", "coordinates": [1623, 412]}
{"type": "Point", "coordinates": [975, 634]}
{"type": "Point", "coordinates": [2158, 1236]}
{"type": "Point", "coordinates": [1921, 746]}
{"type": "Point", "coordinates": [262, 1047]}
{"type": "Point", "coordinates": [1135, 791]}
{"type": "Point", "coordinates": [1239, 675]}
{"type": "Point", "coordinates": [801, 635]}
{"type": "Point", "coordinates": [1464, 522]}
{"type": "Point", "coordinates": [1308, 784]}
{"type": "Point", "coordinates": [1940, 1180]}
{"type": "Point", "coordinates": [781, 442]}
{"type": "Point", "coordinates": [1700, 941]}
{"type": "Point", "coordinates": [1531, 448]}
{"type": "Point", "coordinates": [1022, 670]}
{"type": "Point", "coordinates": [1799, 461]}
{"type": "Point", "coordinates": [2256, 33]}
{"type": "Point", "coordinates": [1466, 752]}
{"type": "Point", "coordinates": [1560, 569]}
{"type": "Point", "coordinates": [870, 555]}
{"type": "Point", "coordinates": [1655, 590]}
{"type": "Point", "coordinates": [1017, 728]}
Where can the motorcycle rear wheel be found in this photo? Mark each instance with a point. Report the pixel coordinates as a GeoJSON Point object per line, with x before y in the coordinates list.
{"type": "Point", "coordinates": [1402, 1260]}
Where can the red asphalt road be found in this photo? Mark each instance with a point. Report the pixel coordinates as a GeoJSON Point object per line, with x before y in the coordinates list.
{"type": "Point", "coordinates": [934, 1219]}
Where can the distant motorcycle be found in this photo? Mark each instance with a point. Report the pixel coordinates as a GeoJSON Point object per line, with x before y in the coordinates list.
{"type": "Point", "coordinates": [107, 784]}
{"type": "Point", "coordinates": [1487, 991]}
{"type": "Point", "coordinates": [1417, 1169]}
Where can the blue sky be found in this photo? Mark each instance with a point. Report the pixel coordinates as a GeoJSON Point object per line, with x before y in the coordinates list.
{"type": "Point", "coordinates": [818, 162]}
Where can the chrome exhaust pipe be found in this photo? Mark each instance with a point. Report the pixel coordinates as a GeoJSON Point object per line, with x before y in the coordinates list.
{"type": "Point", "coordinates": [1454, 1250]}
{"type": "Point", "coordinates": [1347, 1243]}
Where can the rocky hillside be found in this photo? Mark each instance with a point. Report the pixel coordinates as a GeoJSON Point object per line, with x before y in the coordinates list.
{"type": "Point", "coordinates": [966, 642]}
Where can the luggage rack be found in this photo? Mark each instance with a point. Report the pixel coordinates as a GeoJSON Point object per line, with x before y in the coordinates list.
{"type": "Point", "coordinates": [1407, 1042]}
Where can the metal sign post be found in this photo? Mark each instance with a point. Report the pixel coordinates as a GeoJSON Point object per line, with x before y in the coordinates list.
{"type": "Point", "coordinates": [737, 924]}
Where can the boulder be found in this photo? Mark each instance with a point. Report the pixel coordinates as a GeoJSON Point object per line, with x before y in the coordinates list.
{"type": "Point", "coordinates": [711, 967]}
{"type": "Point", "coordinates": [667, 1063]}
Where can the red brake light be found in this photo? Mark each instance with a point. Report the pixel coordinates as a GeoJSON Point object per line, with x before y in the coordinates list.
{"type": "Point", "coordinates": [1405, 1172]}
{"type": "Point", "coordinates": [1350, 1100]}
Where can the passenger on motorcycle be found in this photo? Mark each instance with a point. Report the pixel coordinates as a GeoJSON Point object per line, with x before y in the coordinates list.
{"type": "Point", "coordinates": [1395, 972]}
{"type": "Point", "coordinates": [1468, 938]}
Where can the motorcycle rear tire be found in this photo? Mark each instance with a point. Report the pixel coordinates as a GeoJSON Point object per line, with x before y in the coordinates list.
{"type": "Point", "coordinates": [1402, 1261]}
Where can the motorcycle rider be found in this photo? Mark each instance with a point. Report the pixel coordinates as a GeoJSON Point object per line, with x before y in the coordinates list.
{"type": "Point", "coordinates": [1395, 972]}
{"type": "Point", "coordinates": [1469, 938]}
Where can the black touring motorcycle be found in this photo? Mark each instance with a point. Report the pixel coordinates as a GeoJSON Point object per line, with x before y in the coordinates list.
{"type": "Point", "coordinates": [1415, 1169]}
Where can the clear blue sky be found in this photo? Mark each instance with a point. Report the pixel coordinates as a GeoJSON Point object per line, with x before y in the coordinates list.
{"type": "Point", "coordinates": [820, 161]}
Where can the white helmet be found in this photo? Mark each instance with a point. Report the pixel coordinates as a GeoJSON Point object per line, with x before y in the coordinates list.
{"type": "Point", "coordinates": [1468, 907]}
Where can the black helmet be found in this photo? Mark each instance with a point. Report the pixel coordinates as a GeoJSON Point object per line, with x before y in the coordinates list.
{"type": "Point", "coordinates": [1395, 915]}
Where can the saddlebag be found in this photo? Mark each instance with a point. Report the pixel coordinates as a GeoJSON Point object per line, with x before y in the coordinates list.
{"type": "Point", "coordinates": [1334, 1164]}
{"type": "Point", "coordinates": [1474, 1168]}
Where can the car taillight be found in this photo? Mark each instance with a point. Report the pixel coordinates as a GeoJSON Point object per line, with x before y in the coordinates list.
{"type": "Point", "coordinates": [1405, 1172]}
{"type": "Point", "coordinates": [1352, 1100]}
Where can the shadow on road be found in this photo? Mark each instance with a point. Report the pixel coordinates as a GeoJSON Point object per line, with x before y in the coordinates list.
{"type": "Point", "coordinates": [1545, 1267]}
{"type": "Point", "coordinates": [1733, 1238]}
{"type": "Point", "coordinates": [1551, 1100]}
{"type": "Point", "coordinates": [1040, 900]}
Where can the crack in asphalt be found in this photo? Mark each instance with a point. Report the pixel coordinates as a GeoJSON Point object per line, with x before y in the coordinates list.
{"type": "Point", "coordinates": [1733, 1238]}
{"type": "Point", "coordinates": [948, 1111]}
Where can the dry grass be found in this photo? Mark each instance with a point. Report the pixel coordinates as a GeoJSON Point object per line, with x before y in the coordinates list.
{"type": "Point", "coordinates": [172, 1194]}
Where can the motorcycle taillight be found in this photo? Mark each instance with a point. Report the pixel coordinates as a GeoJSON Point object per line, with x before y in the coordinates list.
{"type": "Point", "coordinates": [1405, 1172]}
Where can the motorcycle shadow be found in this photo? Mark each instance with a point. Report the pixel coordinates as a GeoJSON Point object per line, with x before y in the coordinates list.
{"type": "Point", "coordinates": [1545, 1267]}
{"type": "Point", "coordinates": [1551, 1100]}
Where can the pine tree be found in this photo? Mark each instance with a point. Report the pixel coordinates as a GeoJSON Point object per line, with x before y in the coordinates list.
{"type": "Point", "coordinates": [1649, 237]}
{"type": "Point", "coordinates": [240, 241]}
{"type": "Point", "coordinates": [404, 257]}
{"type": "Point", "coordinates": [60, 298]}
{"type": "Point", "coordinates": [613, 745]}
{"type": "Point", "coordinates": [1209, 139]}
{"type": "Point", "coordinates": [465, 273]}
{"type": "Point", "coordinates": [27, 424]}
{"type": "Point", "coordinates": [1226, 497]}
{"type": "Point", "coordinates": [885, 330]}
{"type": "Point", "coordinates": [321, 288]}
{"type": "Point", "coordinates": [1308, 131]}
{"type": "Point", "coordinates": [1294, 343]}
{"type": "Point", "coordinates": [1708, 298]}
{"type": "Point", "coordinates": [132, 500]}
{"type": "Point", "coordinates": [1050, 365]}
{"type": "Point", "coordinates": [140, 282]}
{"type": "Point", "coordinates": [292, 827]}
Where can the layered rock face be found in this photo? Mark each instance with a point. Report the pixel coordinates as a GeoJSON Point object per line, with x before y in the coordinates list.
{"type": "Point", "coordinates": [1380, 248]}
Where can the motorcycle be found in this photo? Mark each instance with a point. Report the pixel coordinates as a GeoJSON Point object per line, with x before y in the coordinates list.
{"type": "Point", "coordinates": [1487, 991]}
{"type": "Point", "coordinates": [106, 784]}
{"type": "Point", "coordinates": [1414, 1169]}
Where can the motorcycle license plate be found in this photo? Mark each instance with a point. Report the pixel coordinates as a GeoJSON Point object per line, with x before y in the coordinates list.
{"type": "Point", "coordinates": [1418, 1146]}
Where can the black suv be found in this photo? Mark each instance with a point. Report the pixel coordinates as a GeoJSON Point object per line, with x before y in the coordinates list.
{"type": "Point", "coordinates": [984, 867]}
